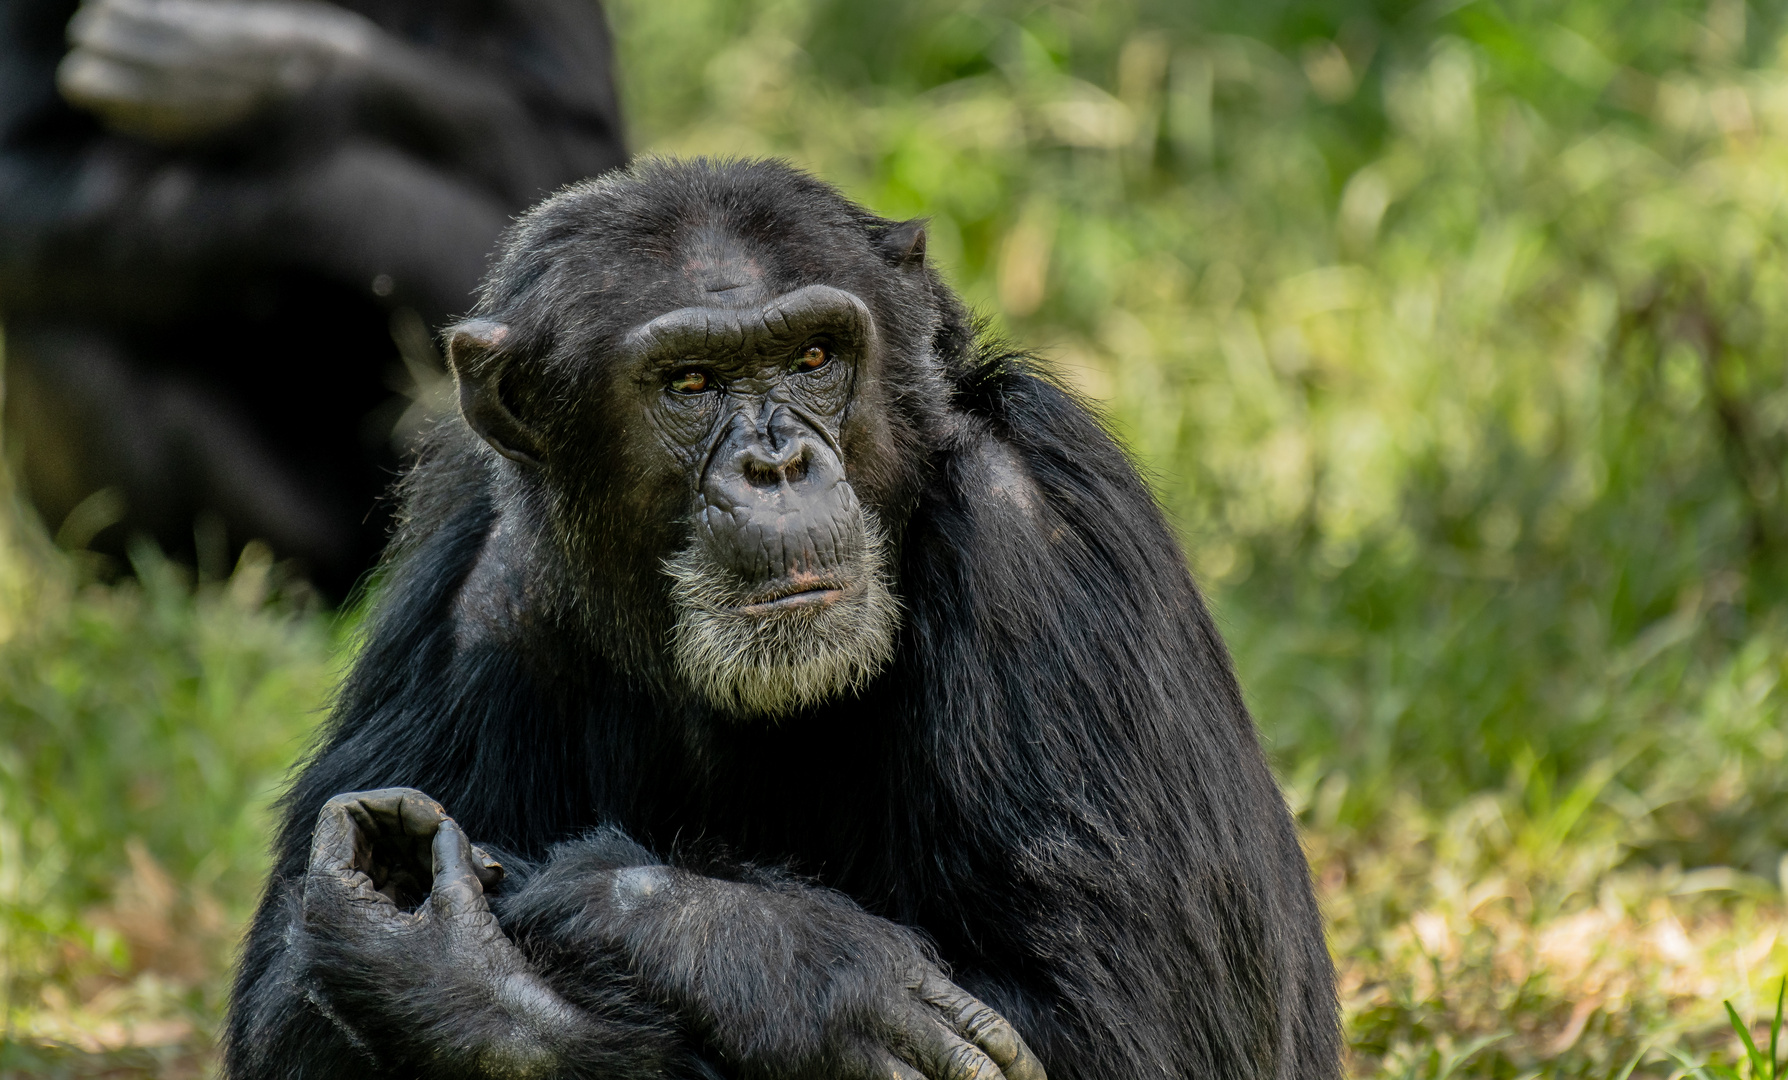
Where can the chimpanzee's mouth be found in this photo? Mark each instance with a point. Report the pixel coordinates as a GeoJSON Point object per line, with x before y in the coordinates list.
{"type": "Point", "coordinates": [795, 595]}
{"type": "Point", "coordinates": [765, 645]}
{"type": "Point", "coordinates": [815, 598]}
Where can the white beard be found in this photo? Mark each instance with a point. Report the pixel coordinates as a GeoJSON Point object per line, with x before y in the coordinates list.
{"type": "Point", "coordinates": [778, 662]}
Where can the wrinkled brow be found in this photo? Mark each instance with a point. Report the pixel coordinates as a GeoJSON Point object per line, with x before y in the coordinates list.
{"type": "Point", "coordinates": [707, 330]}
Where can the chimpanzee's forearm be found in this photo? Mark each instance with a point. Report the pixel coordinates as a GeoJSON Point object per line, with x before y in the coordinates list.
{"type": "Point", "coordinates": [129, 233]}
{"type": "Point", "coordinates": [463, 120]}
{"type": "Point", "coordinates": [275, 1031]}
{"type": "Point", "coordinates": [367, 213]}
{"type": "Point", "coordinates": [776, 977]}
{"type": "Point", "coordinates": [749, 964]}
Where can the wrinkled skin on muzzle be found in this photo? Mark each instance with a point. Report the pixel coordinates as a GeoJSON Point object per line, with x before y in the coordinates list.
{"type": "Point", "coordinates": [774, 507]}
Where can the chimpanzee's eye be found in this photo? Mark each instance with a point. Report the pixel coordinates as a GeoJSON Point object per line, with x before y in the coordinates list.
{"type": "Point", "coordinates": [812, 358]}
{"type": "Point", "coordinates": [690, 381]}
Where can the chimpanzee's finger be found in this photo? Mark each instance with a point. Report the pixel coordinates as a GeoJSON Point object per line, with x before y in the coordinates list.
{"type": "Point", "coordinates": [128, 30]}
{"type": "Point", "coordinates": [987, 1029]}
{"type": "Point", "coordinates": [395, 813]}
{"type": "Point", "coordinates": [86, 78]}
{"type": "Point", "coordinates": [336, 843]}
{"type": "Point", "coordinates": [350, 824]}
{"type": "Point", "coordinates": [490, 871]}
{"type": "Point", "coordinates": [941, 1054]}
{"type": "Point", "coordinates": [457, 890]}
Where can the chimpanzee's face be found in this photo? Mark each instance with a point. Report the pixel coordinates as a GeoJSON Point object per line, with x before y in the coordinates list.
{"type": "Point", "coordinates": [781, 593]}
{"type": "Point", "coordinates": [709, 420]}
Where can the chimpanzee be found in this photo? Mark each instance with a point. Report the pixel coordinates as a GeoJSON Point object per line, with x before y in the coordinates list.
{"type": "Point", "coordinates": [201, 198]}
{"type": "Point", "coordinates": [822, 686]}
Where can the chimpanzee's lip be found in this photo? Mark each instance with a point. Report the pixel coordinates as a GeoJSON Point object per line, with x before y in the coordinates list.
{"type": "Point", "coordinates": [795, 595]}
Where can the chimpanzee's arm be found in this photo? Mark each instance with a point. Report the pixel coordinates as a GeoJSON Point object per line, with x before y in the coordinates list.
{"type": "Point", "coordinates": [138, 236]}
{"type": "Point", "coordinates": [774, 977]}
{"type": "Point", "coordinates": [344, 977]}
{"type": "Point", "coordinates": [476, 124]}
{"type": "Point", "coordinates": [275, 1029]}
{"type": "Point", "coordinates": [182, 72]}
{"type": "Point", "coordinates": [780, 978]}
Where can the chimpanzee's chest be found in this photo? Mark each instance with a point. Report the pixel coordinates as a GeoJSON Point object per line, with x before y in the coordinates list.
{"type": "Point", "coordinates": [817, 796]}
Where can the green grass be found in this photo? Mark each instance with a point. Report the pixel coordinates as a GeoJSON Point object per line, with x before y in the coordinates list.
{"type": "Point", "coordinates": [1451, 337]}
{"type": "Point", "coordinates": [1760, 1066]}
{"type": "Point", "coordinates": [146, 726]}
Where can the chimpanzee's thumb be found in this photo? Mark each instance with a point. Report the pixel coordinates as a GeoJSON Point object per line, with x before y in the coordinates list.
{"type": "Point", "coordinates": [457, 890]}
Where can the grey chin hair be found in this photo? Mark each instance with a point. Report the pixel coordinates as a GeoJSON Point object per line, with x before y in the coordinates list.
{"type": "Point", "coordinates": [772, 665]}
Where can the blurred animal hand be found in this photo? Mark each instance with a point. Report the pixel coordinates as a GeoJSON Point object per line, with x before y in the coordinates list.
{"type": "Point", "coordinates": [176, 71]}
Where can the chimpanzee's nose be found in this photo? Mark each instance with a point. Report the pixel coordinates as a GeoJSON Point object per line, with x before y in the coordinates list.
{"type": "Point", "coordinates": [775, 502]}
{"type": "Point", "coordinates": [775, 450]}
{"type": "Point", "coordinates": [765, 465]}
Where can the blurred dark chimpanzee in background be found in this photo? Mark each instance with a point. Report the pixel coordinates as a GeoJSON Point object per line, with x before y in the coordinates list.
{"type": "Point", "coordinates": [223, 223]}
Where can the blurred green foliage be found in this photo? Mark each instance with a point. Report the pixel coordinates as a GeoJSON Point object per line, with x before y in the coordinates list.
{"type": "Point", "coordinates": [144, 728]}
{"type": "Point", "coordinates": [1453, 337]}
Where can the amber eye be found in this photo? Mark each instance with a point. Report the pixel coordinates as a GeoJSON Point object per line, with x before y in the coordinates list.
{"type": "Point", "coordinates": [689, 382]}
{"type": "Point", "coordinates": [812, 358]}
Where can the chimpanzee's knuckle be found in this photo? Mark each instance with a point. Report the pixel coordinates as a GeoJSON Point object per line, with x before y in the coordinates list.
{"type": "Point", "coordinates": [966, 1063]}
{"type": "Point", "coordinates": [979, 1020]}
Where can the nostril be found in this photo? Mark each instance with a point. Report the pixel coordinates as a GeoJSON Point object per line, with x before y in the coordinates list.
{"type": "Point", "coordinates": [760, 473]}
{"type": "Point", "coordinates": [768, 470]}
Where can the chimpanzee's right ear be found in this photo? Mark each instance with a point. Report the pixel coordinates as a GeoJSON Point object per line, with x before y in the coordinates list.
{"type": "Point", "coordinates": [474, 354]}
{"type": "Point", "coordinates": [903, 243]}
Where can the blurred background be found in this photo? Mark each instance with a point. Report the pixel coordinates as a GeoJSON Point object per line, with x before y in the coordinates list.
{"type": "Point", "coordinates": [1453, 337]}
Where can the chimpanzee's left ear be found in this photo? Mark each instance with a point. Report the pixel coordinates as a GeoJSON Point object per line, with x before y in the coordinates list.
{"type": "Point", "coordinates": [903, 243]}
{"type": "Point", "coordinates": [474, 352]}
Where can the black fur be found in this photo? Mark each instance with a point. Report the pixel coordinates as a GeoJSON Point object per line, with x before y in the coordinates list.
{"type": "Point", "coordinates": [1055, 783]}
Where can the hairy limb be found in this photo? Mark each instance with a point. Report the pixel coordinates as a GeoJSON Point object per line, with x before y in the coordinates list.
{"type": "Point", "coordinates": [136, 236]}
{"type": "Point", "coordinates": [176, 72]}
{"type": "Point", "coordinates": [90, 414]}
{"type": "Point", "coordinates": [780, 978]}
{"type": "Point", "coordinates": [367, 210]}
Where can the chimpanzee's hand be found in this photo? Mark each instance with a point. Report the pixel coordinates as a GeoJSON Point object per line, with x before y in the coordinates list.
{"type": "Point", "coordinates": [178, 70]}
{"type": "Point", "coordinates": [407, 957]}
{"type": "Point", "coordinates": [783, 979]}
{"type": "Point", "coordinates": [944, 1033]}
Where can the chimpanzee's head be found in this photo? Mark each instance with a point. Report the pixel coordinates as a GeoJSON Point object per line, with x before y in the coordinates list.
{"type": "Point", "coordinates": [712, 384]}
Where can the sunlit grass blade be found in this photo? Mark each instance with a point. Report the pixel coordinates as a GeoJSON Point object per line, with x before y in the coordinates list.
{"type": "Point", "coordinates": [1758, 1071]}
{"type": "Point", "coordinates": [1632, 1064]}
{"type": "Point", "coordinates": [1775, 1030]}
{"type": "Point", "coordinates": [1456, 1061]}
